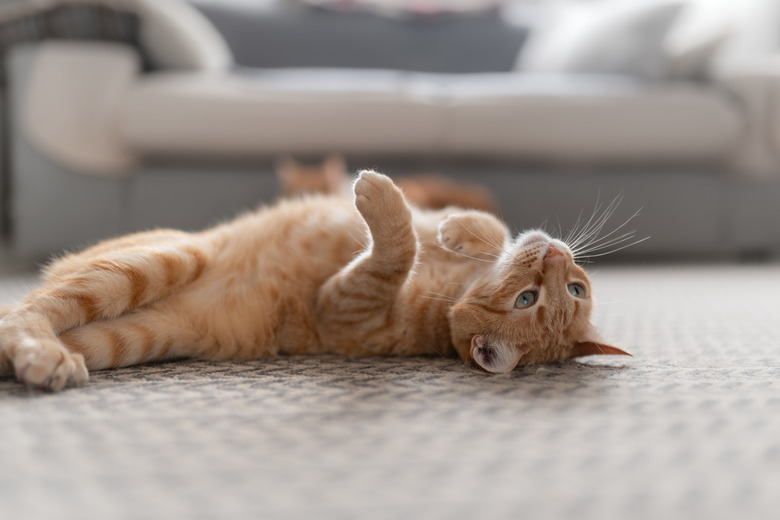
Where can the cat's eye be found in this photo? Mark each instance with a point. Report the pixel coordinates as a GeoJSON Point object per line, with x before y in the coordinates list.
{"type": "Point", "coordinates": [526, 299]}
{"type": "Point", "coordinates": [576, 289]}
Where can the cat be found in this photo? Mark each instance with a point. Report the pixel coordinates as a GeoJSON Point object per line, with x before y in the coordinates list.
{"type": "Point", "coordinates": [369, 276]}
{"type": "Point", "coordinates": [424, 191]}
{"type": "Point", "coordinates": [329, 177]}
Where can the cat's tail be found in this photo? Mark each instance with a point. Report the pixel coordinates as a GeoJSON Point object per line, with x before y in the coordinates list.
{"type": "Point", "coordinates": [113, 283]}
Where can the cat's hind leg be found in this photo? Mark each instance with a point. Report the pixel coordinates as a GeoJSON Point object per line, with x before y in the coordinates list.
{"type": "Point", "coordinates": [356, 305]}
{"type": "Point", "coordinates": [141, 336]}
{"type": "Point", "coordinates": [104, 287]}
{"type": "Point", "coordinates": [127, 244]}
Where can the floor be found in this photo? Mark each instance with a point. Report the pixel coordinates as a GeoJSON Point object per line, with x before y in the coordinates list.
{"type": "Point", "coordinates": [687, 428]}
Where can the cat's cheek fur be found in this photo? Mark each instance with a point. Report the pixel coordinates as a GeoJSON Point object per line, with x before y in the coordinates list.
{"type": "Point", "coordinates": [495, 357]}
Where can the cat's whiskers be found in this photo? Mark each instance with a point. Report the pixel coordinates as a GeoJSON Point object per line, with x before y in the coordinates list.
{"type": "Point", "coordinates": [598, 220]}
{"type": "Point", "coordinates": [473, 257]}
{"type": "Point", "coordinates": [590, 255]}
{"type": "Point", "coordinates": [599, 241]}
{"type": "Point", "coordinates": [573, 231]}
{"type": "Point", "coordinates": [363, 240]}
{"type": "Point", "coordinates": [586, 241]}
{"type": "Point", "coordinates": [595, 224]}
{"type": "Point", "coordinates": [605, 243]}
{"type": "Point", "coordinates": [431, 295]}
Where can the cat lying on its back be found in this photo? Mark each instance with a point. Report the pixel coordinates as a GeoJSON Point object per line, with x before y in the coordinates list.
{"type": "Point", "coordinates": [315, 275]}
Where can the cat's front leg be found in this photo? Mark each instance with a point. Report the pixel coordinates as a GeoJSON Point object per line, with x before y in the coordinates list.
{"type": "Point", "coordinates": [474, 234]}
{"type": "Point", "coordinates": [389, 219]}
{"type": "Point", "coordinates": [355, 306]}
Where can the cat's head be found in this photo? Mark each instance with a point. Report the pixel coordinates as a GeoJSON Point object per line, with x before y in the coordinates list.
{"type": "Point", "coordinates": [534, 306]}
{"type": "Point", "coordinates": [329, 177]}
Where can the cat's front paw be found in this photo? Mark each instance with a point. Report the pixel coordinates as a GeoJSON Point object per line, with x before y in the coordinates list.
{"type": "Point", "coordinates": [473, 234]}
{"type": "Point", "coordinates": [47, 364]}
{"type": "Point", "coordinates": [382, 205]}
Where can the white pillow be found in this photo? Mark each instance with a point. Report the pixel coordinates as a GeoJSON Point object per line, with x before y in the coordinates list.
{"type": "Point", "coordinates": [606, 37]}
{"type": "Point", "coordinates": [178, 36]}
{"type": "Point", "coordinates": [712, 31]}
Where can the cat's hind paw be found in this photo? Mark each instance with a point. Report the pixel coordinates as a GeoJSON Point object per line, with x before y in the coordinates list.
{"type": "Point", "coordinates": [48, 364]}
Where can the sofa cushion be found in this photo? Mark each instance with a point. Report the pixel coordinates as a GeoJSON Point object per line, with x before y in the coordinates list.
{"type": "Point", "coordinates": [271, 112]}
{"type": "Point", "coordinates": [595, 119]}
{"type": "Point", "coordinates": [605, 37]}
{"type": "Point", "coordinates": [602, 119]}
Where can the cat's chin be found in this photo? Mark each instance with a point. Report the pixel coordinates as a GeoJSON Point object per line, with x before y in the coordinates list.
{"type": "Point", "coordinates": [541, 241]}
{"type": "Point", "coordinates": [533, 237]}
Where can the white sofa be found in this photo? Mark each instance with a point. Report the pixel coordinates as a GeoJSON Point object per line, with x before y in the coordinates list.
{"type": "Point", "coordinates": [260, 114]}
{"type": "Point", "coordinates": [702, 155]}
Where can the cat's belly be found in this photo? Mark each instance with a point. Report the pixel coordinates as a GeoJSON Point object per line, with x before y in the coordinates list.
{"type": "Point", "coordinates": [258, 293]}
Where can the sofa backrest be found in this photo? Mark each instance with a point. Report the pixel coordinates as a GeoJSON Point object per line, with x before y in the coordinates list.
{"type": "Point", "coordinates": [168, 34]}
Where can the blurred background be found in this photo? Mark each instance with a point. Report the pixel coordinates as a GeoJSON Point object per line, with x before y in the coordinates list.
{"type": "Point", "coordinates": [120, 115]}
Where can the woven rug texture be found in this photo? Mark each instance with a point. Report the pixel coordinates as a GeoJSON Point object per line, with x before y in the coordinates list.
{"type": "Point", "coordinates": [689, 428]}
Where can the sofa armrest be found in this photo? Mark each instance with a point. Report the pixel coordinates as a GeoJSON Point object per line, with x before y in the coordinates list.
{"type": "Point", "coordinates": [75, 91]}
{"type": "Point", "coordinates": [755, 83]}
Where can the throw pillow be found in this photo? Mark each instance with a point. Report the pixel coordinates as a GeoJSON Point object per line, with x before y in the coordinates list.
{"type": "Point", "coordinates": [605, 37]}
{"type": "Point", "coordinates": [177, 36]}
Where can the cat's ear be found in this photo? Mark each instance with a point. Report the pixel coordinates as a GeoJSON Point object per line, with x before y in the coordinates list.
{"type": "Point", "coordinates": [592, 344]}
{"type": "Point", "coordinates": [336, 176]}
{"type": "Point", "coordinates": [285, 167]}
{"type": "Point", "coordinates": [497, 357]}
{"type": "Point", "coordinates": [335, 163]}
{"type": "Point", "coordinates": [592, 348]}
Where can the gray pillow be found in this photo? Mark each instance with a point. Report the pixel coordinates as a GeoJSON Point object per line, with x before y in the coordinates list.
{"type": "Point", "coordinates": [605, 37]}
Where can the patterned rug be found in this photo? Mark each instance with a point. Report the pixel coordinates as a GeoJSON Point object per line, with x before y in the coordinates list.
{"type": "Point", "coordinates": [688, 428]}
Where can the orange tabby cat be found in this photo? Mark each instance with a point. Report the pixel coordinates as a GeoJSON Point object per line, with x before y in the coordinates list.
{"type": "Point", "coordinates": [423, 191]}
{"type": "Point", "coordinates": [307, 276]}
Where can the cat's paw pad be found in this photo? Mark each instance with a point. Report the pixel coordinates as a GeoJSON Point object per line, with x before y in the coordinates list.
{"type": "Point", "coordinates": [379, 200]}
{"type": "Point", "coordinates": [473, 234]}
{"type": "Point", "coordinates": [48, 364]}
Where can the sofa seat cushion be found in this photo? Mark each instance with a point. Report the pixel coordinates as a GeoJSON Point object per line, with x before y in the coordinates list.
{"type": "Point", "coordinates": [602, 119]}
{"type": "Point", "coordinates": [265, 113]}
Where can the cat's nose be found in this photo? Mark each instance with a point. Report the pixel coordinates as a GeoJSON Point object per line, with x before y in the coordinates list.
{"type": "Point", "coordinates": [552, 252]}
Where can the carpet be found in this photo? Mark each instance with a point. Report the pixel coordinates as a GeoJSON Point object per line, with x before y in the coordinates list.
{"type": "Point", "coordinates": [688, 428]}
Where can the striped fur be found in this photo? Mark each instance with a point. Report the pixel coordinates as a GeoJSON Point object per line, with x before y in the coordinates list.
{"type": "Point", "coordinates": [312, 275]}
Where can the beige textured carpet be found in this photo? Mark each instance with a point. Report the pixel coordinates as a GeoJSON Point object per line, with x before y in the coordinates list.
{"type": "Point", "coordinates": [688, 428]}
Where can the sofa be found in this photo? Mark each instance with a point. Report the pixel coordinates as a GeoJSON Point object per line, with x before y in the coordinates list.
{"type": "Point", "coordinates": [669, 105]}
